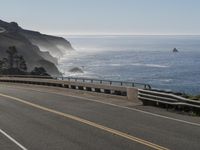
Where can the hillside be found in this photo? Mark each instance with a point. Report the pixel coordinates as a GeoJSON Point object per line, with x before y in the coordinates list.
{"type": "Point", "coordinates": [28, 44]}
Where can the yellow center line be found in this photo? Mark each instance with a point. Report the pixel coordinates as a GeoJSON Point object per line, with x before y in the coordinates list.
{"type": "Point", "coordinates": [90, 123]}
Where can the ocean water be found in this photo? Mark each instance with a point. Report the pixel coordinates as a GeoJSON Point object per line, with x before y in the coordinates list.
{"type": "Point", "coordinates": [145, 59]}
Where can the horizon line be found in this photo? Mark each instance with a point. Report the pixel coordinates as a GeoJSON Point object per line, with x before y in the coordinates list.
{"type": "Point", "coordinates": [113, 34]}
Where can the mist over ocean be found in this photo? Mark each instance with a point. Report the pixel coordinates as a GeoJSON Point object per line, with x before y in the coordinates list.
{"type": "Point", "coordinates": [145, 59]}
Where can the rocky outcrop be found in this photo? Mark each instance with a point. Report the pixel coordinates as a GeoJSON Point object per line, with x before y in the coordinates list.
{"type": "Point", "coordinates": [28, 44]}
{"type": "Point", "coordinates": [76, 70]}
{"type": "Point", "coordinates": [175, 50]}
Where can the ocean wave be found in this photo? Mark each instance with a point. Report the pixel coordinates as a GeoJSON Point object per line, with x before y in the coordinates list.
{"type": "Point", "coordinates": [116, 65]}
{"type": "Point", "coordinates": [166, 80]}
{"type": "Point", "coordinates": [150, 65]}
{"type": "Point", "coordinates": [121, 65]}
{"type": "Point", "coordinates": [85, 74]}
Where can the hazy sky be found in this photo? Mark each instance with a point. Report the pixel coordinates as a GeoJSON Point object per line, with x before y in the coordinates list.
{"type": "Point", "coordinates": [105, 16]}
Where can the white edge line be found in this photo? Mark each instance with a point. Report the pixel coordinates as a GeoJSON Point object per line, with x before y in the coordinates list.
{"type": "Point", "coordinates": [13, 140]}
{"type": "Point", "coordinates": [124, 107]}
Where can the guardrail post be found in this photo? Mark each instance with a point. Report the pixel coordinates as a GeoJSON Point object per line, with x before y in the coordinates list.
{"type": "Point", "coordinates": [147, 86]}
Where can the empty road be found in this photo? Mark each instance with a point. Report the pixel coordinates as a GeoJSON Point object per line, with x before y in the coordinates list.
{"type": "Point", "coordinates": [39, 120]}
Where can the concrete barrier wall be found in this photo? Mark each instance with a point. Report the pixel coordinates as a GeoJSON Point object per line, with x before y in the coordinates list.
{"type": "Point", "coordinates": [130, 92]}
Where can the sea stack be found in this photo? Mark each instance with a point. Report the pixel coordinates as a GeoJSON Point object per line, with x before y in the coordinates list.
{"type": "Point", "coordinates": [175, 50]}
{"type": "Point", "coordinates": [76, 70]}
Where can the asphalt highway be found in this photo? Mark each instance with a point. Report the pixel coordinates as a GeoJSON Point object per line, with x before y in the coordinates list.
{"type": "Point", "coordinates": [37, 120]}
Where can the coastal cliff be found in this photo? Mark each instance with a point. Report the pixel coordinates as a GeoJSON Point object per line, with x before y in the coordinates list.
{"type": "Point", "coordinates": [56, 46]}
{"type": "Point", "coordinates": [38, 50]}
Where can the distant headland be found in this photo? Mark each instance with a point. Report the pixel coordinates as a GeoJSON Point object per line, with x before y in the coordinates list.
{"type": "Point", "coordinates": [38, 50]}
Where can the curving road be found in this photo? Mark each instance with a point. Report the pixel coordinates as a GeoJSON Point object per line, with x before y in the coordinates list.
{"type": "Point", "coordinates": [35, 119]}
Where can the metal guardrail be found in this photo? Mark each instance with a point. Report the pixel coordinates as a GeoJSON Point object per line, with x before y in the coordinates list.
{"type": "Point", "coordinates": [98, 88]}
{"type": "Point", "coordinates": [149, 97]}
{"type": "Point", "coordinates": [107, 82]}
{"type": "Point", "coordinates": [87, 80]}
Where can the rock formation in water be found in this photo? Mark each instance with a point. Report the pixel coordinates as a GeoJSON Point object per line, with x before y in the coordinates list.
{"type": "Point", "coordinates": [175, 50]}
{"type": "Point", "coordinates": [76, 70]}
{"type": "Point", "coordinates": [29, 43]}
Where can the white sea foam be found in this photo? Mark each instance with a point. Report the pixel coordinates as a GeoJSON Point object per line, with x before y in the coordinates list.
{"type": "Point", "coordinates": [62, 49]}
{"type": "Point", "coordinates": [150, 65]}
{"type": "Point", "coordinates": [115, 65]}
{"type": "Point", "coordinates": [166, 80]}
{"type": "Point", "coordinates": [85, 74]}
